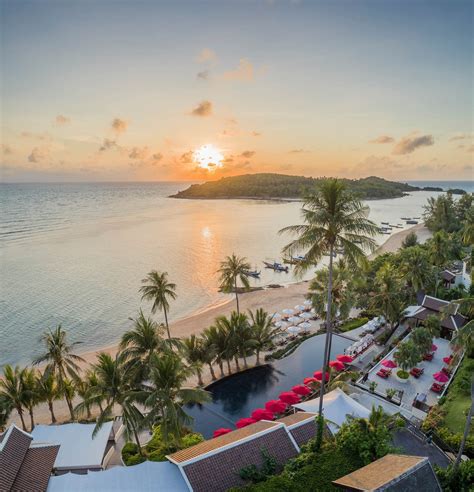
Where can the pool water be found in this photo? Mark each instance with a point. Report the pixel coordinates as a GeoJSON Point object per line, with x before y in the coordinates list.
{"type": "Point", "coordinates": [238, 395]}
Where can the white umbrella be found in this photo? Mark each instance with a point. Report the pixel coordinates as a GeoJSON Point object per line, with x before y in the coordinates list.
{"type": "Point", "coordinates": [288, 311]}
{"type": "Point", "coordinates": [300, 307]}
{"type": "Point", "coordinates": [305, 326]}
{"type": "Point", "coordinates": [281, 324]}
{"type": "Point", "coordinates": [295, 320]}
{"type": "Point", "coordinates": [306, 315]}
{"type": "Point", "coordinates": [308, 303]}
{"type": "Point", "coordinates": [276, 316]}
{"type": "Point", "coordinates": [294, 330]}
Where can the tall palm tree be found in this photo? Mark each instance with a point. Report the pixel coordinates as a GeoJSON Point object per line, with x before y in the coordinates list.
{"type": "Point", "coordinates": [216, 338]}
{"type": "Point", "coordinates": [28, 381]}
{"type": "Point", "coordinates": [166, 396]}
{"type": "Point", "coordinates": [233, 269]}
{"type": "Point", "coordinates": [158, 289]}
{"type": "Point", "coordinates": [243, 336]}
{"type": "Point", "coordinates": [115, 387]}
{"type": "Point", "coordinates": [433, 324]}
{"type": "Point", "coordinates": [194, 352]}
{"type": "Point", "coordinates": [407, 355]}
{"type": "Point", "coordinates": [263, 331]}
{"type": "Point", "coordinates": [48, 391]}
{"type": "Point", "coordinates": [6, 408]}
{"type": "Point", "coordinates": [210, 353]}
{"type": "Point", "coordinates": [12, 391]}
{"type": "Point", "coordinates": [416, 269]}
{"type": "Point", "coordinates": [61, 361]}
{"type": "Point", "coordinates": [422, 339]}
{"type": "Point", "coordinates": [438, 248]}
{"type": "Point", "coordinates": [333, 218]}
{"type": "Point", "coordinates": [226, 336]}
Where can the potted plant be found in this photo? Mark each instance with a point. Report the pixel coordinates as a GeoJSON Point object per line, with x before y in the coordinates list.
{"type": "Point", "coordinates": [407, 355]}
{"type": "Point", "coordinates": [372, 386]}
{"type": "Point", "coordinates": [390, 392]}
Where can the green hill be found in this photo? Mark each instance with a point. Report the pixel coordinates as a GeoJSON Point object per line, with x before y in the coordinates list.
{"type": "Point", "coordinates": [271, 186]}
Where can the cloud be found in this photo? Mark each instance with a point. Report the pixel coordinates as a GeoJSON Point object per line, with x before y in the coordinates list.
{"type": "Point", "coordinates": [187, 157]}
{"type": "Point", "coordinates": [206, 55]}
{"type": "Point", "coordinates": [38, 154]}
{"type": "Point", "coordinates": [108, 144]}
{"type": "Point", "coordinates": [156, 157]}
{"type": "Point", "coordinates": [383, 139]}
{"type": "Point", "coordinates": [6, 149]}
{"type": "Point", "coordinates": [245, 72]}
{"type": "Point", "coordinates": [461, 136]}
{"type": "Point", "coordinates": [256, 134]}
{"type": "Point", "coordinates": [139, 153]}
{"type": "Point", "coordinates": [471, 148]}
{"type": "Point", "coordinates": [298, 151]}
{"type": "Point", "coordinates": [248, 154]}
{"type": "Point", "coordinates": [62, 120]}
{"type": "Point", "coordinates": [35, 136]}
{"type": "Point", "coordinates": [119, 125]}
{"type": "Point", "coordinates": [204, 75]}
{"type": "Point", "coordinates": [204, 108]}
{"type": "Point", "coordinates": [408, 145]}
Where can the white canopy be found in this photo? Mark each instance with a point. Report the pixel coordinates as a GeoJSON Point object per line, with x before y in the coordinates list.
{"type": "Point", "coordinates": [336, 406]}
{"type": "Point", "coordinates": [145, 477]}
{"type": "Point", "coordinates": [305, 326]}
{"type": "Point", "coordinates": [306, 315]}
{"type": "Point", "coordinates": [295, 320]}
{"type": "Point", "coordinates": [294, 329]}
{"type": "Point", "coordinates": [281, 324]}
{"type": "Point", "coordinates": [288, 311]}
{"type": "Point", "coordinates": [300, 307]}
{"type": "Point", "coordinates": [78, 448]}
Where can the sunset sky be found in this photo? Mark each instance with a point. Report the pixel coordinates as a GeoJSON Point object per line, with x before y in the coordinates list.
{"type": "Point", "coordinates": [130, 90]}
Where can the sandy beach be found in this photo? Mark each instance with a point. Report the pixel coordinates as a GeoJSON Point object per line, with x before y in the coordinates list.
{"type": "Point", "coordinates": [270, 299]}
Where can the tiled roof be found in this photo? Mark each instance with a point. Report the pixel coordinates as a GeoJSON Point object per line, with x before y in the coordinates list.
{"type": "Point", "coordinates": [296, 418]}
{"type": "Point", "coordinates": [447, 275]}
{"type": "Point", "coordinates": [13, 449]}
{"type": "Point", "coordinates": [380, 472]}
{"type": "Point", "coordinates": [450, 322]}
{"type": "Point", "coordinates": [434, 303]}
{"type": "Point", "coordinates": [221, 441]}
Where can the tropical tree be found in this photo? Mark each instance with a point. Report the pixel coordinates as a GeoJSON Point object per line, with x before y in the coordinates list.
{"type": "Point", "coordinates": [433, 324]}
{"type": "Point", "coordinates": [115, 387]}
{"type": "Point", "coordinates": [226, 334]}
{"type": "Point", "coordinates": [61, 361]}
{"type": "Point", "coordinates": [216, 337]}
{"type": "Point", "coordinates": [12, 392]}
{"type": "Point", "coordinates": [6, 408]}
{"type": "Point", "coordinates": [194, 352]}
{"type": "Point", "coordinates": [263, 331]}
{"type": "Point", "coordinates": [410, 240]}
{"type": "Point", "coordinates": [31, 399]}
{"type": "Point", "coordinates": [416, 268]}
{"type": "Point", "coordinates": [422, 339]}
{"type": "Point", "coordinates": [234, 269]}
{"type": "Point", "coordinates": [166, 396]}
{"type": "Point", "coordinates": [468, 228]}
{"type": "Point", "coordinates": [210, 354]}
{"type": "Point", "coordinates": [333, 218]}
{"type": "Point", "coordinates": [438, 248]}
{"type": "Point", "coordinates": [158, 289]}
{"type": "Point", "coordinates": [48, 391]}
{"type": "Point", "coordinates": [407, 355]}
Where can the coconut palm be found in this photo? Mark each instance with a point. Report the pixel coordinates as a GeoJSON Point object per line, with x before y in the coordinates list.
{"type": "Point", "coordinates": [158, 289]}
{"type": "Point", "coordinates": [12, 391]}
{"type": "Point", "coordinates": [210, 354]}
{"type": "Point", "coordinates": [438, 248]}
{"type": "Point", "coordinates": [407, 355]}
{"type": "Point", "coordinates": [234, 269]}
{"type": "Point", "coordinates": [194, 353]}
{"type": "Point", "coordinates": [166, 396]}
{"type": "Point", "coordinates": [61, 361]}
{"type": "Point", "coordinates": [226, 334]}
{"type": "Point", "coordinates": [333, 218]}
{"type": "Point", "coordinates": [422, 339]}
{"type": "Point", "coordinates": [416, 268]}
{"type": "Point", "coordinates": [216, 338]}
{"type": "Point", "coordinates": [468, 228]}
{"type": "Point", "coordinates": [6, 408]}
{"type": "Point", "coordinates": [28, 381]}
{"type": "Point", "coordinates": [114, 388]}
{"type": "Point", "coordinates": [48, 391]}
{"type": "Point", "coordinates": [263, 331]}
{"type": "Point", "coordinates": [433, 324]}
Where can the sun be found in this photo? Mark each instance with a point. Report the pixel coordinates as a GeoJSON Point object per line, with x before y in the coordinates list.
{"type": "Point", "coordinates": [208, 157]}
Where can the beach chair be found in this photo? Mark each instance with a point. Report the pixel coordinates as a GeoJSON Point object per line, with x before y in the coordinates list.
{"type": "Point", "coordinates": [428, 357]}
{"type": "Point", "coordinates": [416, 371]}
{"type": "Point", "coordinates": [446, 371]}
{"type": "Point", "coordinates": [384, 373]}
{"type": "Point", "coordinates": [437, 388]}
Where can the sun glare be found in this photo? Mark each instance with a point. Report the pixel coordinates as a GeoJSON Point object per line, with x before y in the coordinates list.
{"type": "Point", "coordinates": [208, 157]}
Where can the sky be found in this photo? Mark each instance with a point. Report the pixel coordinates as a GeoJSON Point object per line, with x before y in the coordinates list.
{"type": "Point", "coordinates": [126, 90]}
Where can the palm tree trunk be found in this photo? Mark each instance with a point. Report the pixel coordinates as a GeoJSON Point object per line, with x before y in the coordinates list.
{"type": "Point", "coordinates": [137, 440]}
{"type": "Point", "coordinates": [466, 429]}
{"type": "Point", "coordinates": [221, 368]}
{"type": "Point", "coordinates": [237, 363]}
{"type": "Point", "coordinates": [236, 295]}
{"type": "Point", "coordinates": [245, 362]}
{"type": "Point", "coordinates": [100, 408]}
{"type": "Point", "coordinates": [71, 409]}
{"type": "Point", "coordinates": [51, 411]}
{"type": "Point", "coordinates": [20, 413]}
{"type": "Point", "coordinates": [327, 345]}
{"type": "Point", "coordinates": [213, 374]}
{"type": "Point", "coordinates": [32, 419]}
{"type": "Point", "coordinates": [258, 357]}
{"type": "Point", "coordinates": [199, 375]}
{"type": "Point", "coordinates": [229, 370]}
{"type": "Point", "coordinates": [166, 323]}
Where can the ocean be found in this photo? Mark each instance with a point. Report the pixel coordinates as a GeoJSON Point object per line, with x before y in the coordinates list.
{"type": "Point", "coordinates": [75, 254]}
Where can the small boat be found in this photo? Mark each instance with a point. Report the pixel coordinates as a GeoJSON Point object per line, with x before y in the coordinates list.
{"type": "Point", "coordinates": [278, 267]}
{"type": "Point", "coordinates": [384, 223]}
{"type": "Point", "coordinates": [298, 258]}
{"type": "Point", "coordinates": [412, 221]}
{"type": "Point", "coordinates": [417, 218]}
{"type": "Point", "coordinates": [252, 273]}
{"type": "Point", "coordinates": [405, 218]}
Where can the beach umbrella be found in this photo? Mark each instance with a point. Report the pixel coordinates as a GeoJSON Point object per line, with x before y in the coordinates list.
{"type": "Point", "coordinates": [434, 348]}
{"type": "Point", "coordinates": [276, 316]}
{"type": "Point", "coordinates": [289, 397]}
{"type": "Point", "coordinates": [221, 432]}
{"type": "Point", "coordinates": [310, 380]}
{"type": "Point", "coordinates": [440, 377]}
{"type": "Point", "coordinates": [447, 360]}
{"type": "Point", "coordinates": [244, 422]}
{"type": "Point", "coordinates": [337, 364]}
{"type": "Point", "coordinates": [306, 315]}
{"type": "Point", "coordinates": [319, 375]}
{"type": "Point", "coordinates": [281, 324]}
{"type": "Point", "coordinates": [305, 326]}
{"type": "Point", "coordinates": [344, 358]}
{"type": "Point", "coordinates": [301, 390]}
{"type": "Point", "coordinates": [308, 303]}
{"type": "Point", "coordinates": [294, 330]}
{"type": "Point", "coordinates": [295, 320]}
{"type": "Point", "coordinates": [276, 406]}
{"type": "Point", "coordinates": [288, 311]}
{"type": "Point", "coordinates": [300, 307]}
{"type": "Point", "coordinates": [262, 414]}
{"type": "Point", "coordinates": [389, 363]}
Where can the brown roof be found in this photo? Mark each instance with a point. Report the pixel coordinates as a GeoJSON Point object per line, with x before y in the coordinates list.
{"type": "Point", "coordinates": [380, 472]}
{"type": "Point", "coordinates": [449, 322]}
{"type": "Point", "coordinates": [296, 418]}
{"type": "Point", "coordinates": [221, 441]}
{"type": "Point", "coordinates": [447, 275]}
{"type": "Point", "coordinates": [14, 447]}
{"type": "Point", "coordinates": [434, 303]}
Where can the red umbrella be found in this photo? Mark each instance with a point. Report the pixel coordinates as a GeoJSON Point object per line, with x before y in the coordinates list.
{"type": "Point", "coordinates": [244, 422]}
{"type": "Point", "coordinates": [289, 397]}
{"type": "Point", "coordinates": [319, 375]}
{"type": "Point", "coordinates": [447, 360]}
{"type": "Point", "coordinates": [310, 380]}
{"type": "Point", "coordinates": [441, 377]}
{"type": "Point", "coordinates": [221, 432]}
{"type": "Point", "coordinates": [276, 406]}
{"type": "Point", "coordinates": [434, 348]}
{"type": "Point", "coordinates": [388, 363]}
{"type": "Point", "coordinates": [337, 364]}
{"type": "Point", "coordinates": [301, 390]}
{"type": "Point", "coordinates": [262, 414]}
{"type": "Point", "coordinates": [344, 358]}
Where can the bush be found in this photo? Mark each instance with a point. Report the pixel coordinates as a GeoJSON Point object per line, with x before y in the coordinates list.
{"type": "Point", "coordinates": [352, 324]}
{"type": "Point", "coordinates": [192, 439]}
{"type": "Point", "coordinates": [129, 449]}
{"type": "Point", "coordinates": [403, 374]}
{"type": "Point", "coordinates": [136, 459]}
{"type": "Point", "coordinates": [460, 480]}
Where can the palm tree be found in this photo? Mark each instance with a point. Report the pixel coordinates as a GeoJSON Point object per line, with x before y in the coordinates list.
{"type": "Point", "coordinates": [416, 268]}
{"type": "Point", "coordinates": [28, 381]}
{"type": "Point", "coordinates": [333, 218]}
{"type": "Point", "coordinates": [407, 355]}
{"type": "Point", "coordinates": [433, 324]}
{"type": "Point", "coordinates": [194, 352]}
{"type": "Point", "coordinates": [468, 228]}
{"type": "Point", "coordinates": [61, 361]}
{"type": "Point", "coordinates": [226, 336]}
{"type": "Point", "coordinates": [263, 331]}
{"type": "Point", "coordinates": [216, 338]}
{"type": "Point", "coordinates": [48, 391]}
{"type": "Point", "coordinates": [438, 248]}
{"type": "Point", "coordinates": [209, 354]}
{"type": "Point", "coordinates": [422, 339]}
{"type": "Point", "coordinates": [166, 396]}
{"type": "Point", "coordinates": [115, 387]}
{"type": "Point", "coordinates": [159, 290]}
{"type": "Point", "coordinates": [233, 269]}
{"type": "Point", "coordinates": [6, 408]}
{"type": "Point", "coordinates": [12, 391]}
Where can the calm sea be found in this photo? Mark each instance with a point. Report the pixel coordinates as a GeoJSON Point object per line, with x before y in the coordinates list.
{"type": "Point", "coordinates": [75, 253]}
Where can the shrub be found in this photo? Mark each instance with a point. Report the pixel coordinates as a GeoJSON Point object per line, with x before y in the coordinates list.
{"type": "Point", "coordinates": [129, 449]}
{"type": "Point", "coordinates": [403, 374]}
{"type": "Point", "coordinates": [352, 324]}
{"type": "Point", "coordinates": [456, 480]}
{"type": "Point", "coordinates": [254, 474]}
{"type": "Point", "coordinates": [192, 439]}
{"type": "Point", "coordinates": [136, 459]}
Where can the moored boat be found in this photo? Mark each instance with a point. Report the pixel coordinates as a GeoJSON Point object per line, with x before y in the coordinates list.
{"type": "Point", "coordinates": [278, 267]}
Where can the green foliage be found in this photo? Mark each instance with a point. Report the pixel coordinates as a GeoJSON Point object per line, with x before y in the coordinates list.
{"type": "Point", "coordinates": [407, 355]}
{"type": "Point", "coordinates": [352, 324]}
{"type": "Point", "coordinates": [459, 479]}
{"type": "Point", "coordinates": [268, 185]}
{"type": "Point", "coordinates": [403, 374]}
{"type": "Point", "coordinates": [191, 439]}
{"type": "Point", "coordinates": [255, 474]}
{"type": "Point", "coordinates": [410, 240]}
{"type": "Point", "coordinates": [289, 348]}
{"type": "Point", "coordinates": [319, 433]}
{"type": "Point", "coordinates": [136, 459]}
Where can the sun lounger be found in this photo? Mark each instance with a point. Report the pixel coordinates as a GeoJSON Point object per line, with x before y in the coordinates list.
{"type": "Point", "coordinates": [416, 371]}
{"type": "Point", "coordinates": [428, 357]}
{"type": "Point", "coordinates": [446, 371]}
{"type": "Point", "coordinates": [437, 388]}
{"type": "Point", "coordinates": [384, 373]}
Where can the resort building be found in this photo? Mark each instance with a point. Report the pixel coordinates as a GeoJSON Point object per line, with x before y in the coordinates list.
{"type": "Point", "coordinates": [392, 473]}
{"type": "Point", "coordinates": [25, 465]}
{"type": "Point", "coordinates": [301, 426]}
{"type": "Point", "coordinates": [79, 451]}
